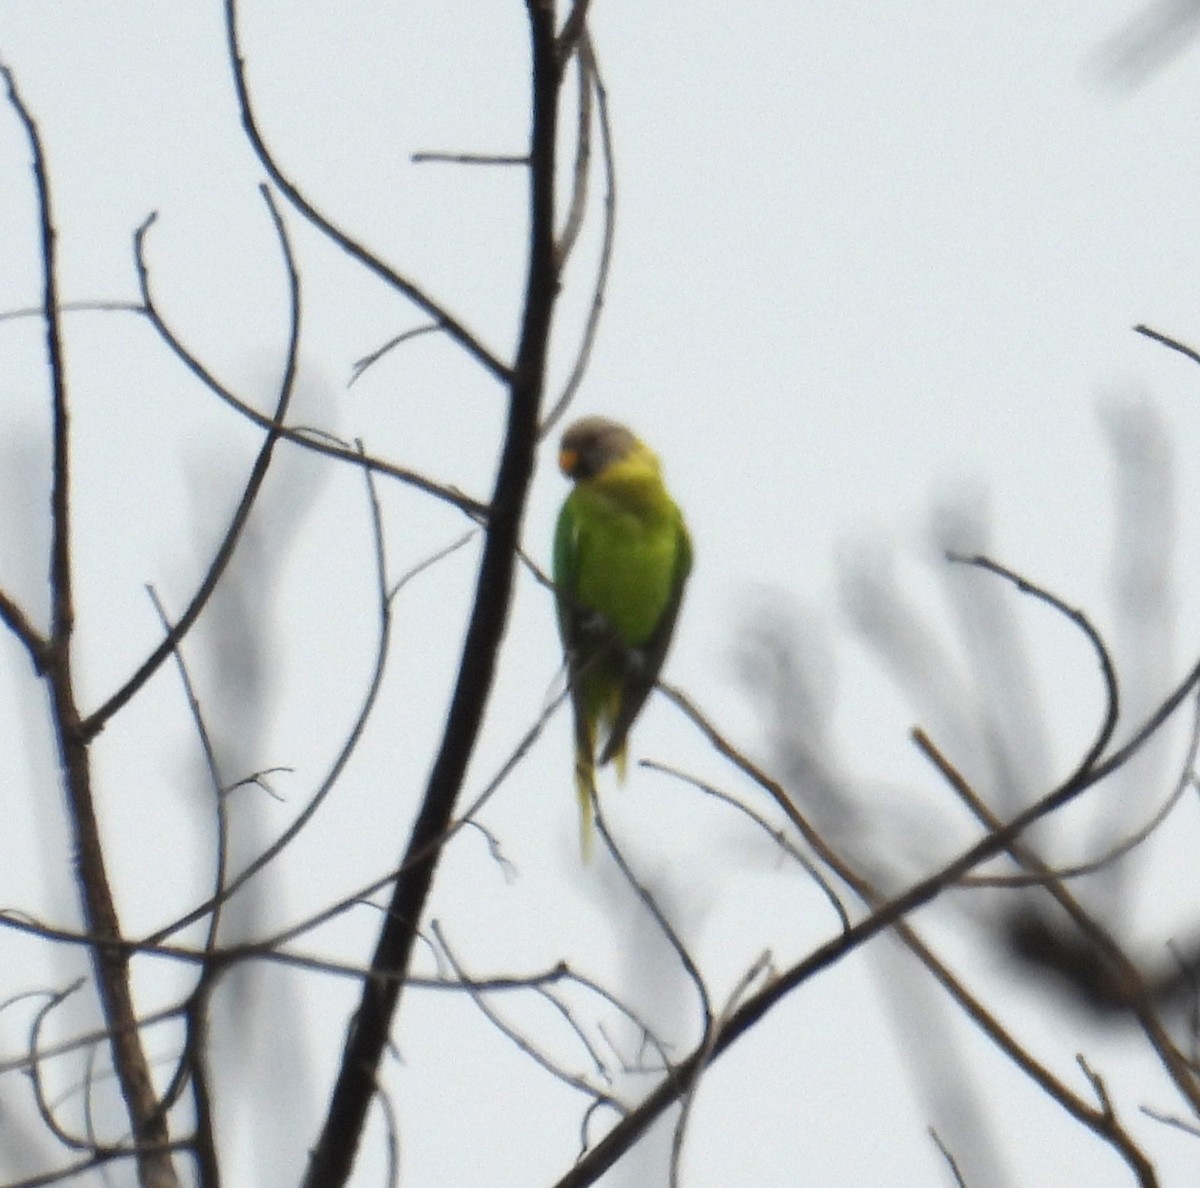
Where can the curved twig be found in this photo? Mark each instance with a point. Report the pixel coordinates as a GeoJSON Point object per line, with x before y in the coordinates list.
{"type": "Point", "coordinates": [91, 868]}
{"type": "Point", "coordinates": [348, 747]}
{"type": "Point", "coordinates": [452, 326]}
{"type": "Point", "coordinates": [775, 834]}
{"type": "Point", "coordinates": [1112, 700]}
{"type": "Point", "coordinates": [34, 1069]}
{"type": "Point", "coordinates": [664, 925]}
{"type": "Point", "coordinates": [581, 172]}
{"type": "Point", "coordinates": [97, 719]}
{"type": "Point", "coordinates": [1130, 985]}
{"type": "Point", "coordinates": [1126, 845]}
{"type": "Point", "coordinates": [588, 66]}
{"type": "Point", "coordinates": [581, 1084]}
{"type": "Point", "coordinates": [335, 1150]}
{"type": "Point", "coordinates": [361, 365]}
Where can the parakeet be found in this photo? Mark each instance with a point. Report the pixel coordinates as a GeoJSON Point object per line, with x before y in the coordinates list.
{"type": "Point", "coordinates": [622, 555]}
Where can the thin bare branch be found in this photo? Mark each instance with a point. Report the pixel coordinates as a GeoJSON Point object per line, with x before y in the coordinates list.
{"type": "Point", "coordinates": [756, 970]}
{"type": "Point", "coordinates": [44, 1108]}
{"type": "Point", "coordinates": [664, 925]}
{"type": "Point", "coordinates": [16, 315]}
{"type": "Point", "coordinates": [573, 30]}
{"type": "Point", "coordinates": [99, 1160]}
{"type": "Point", "coordinates": [214, 774]}
{"type": "Point", "coordinates": [579, 1083]}
{"type": "Point", "coordinates": [15, 619]}
{"type": "Point", "coordinates": [1183, 1124]}
{"type": "Point", "coordinates": [62, 611]}
{"type": "Point", "coordinates": [334, 1153]}
{"type": "Point", "coordinates": [370, 360]}
{"type": "Point", "coordinates": [589, 67]}
{"type": "Point", "coordinates": [581, 171]}
{"type": "Point", "coordinates": [349, 745]}
{"type": "Point", "coordinates": [155, 1167]}
{"type": "Point", "coordinates": [1127, 984]}
{"type": "Point", "coordinates": [1112, 700]}
{"type": "Point", "coordinates": [427, 157]}
{"type": "Point", "coordinates": [318, 441]}
{"type": "Point", "coordinates": [947, 1155]}
{"type": "Point", "coordinates": [775, 834]}
{"type": "Point", "coordinates": [347, 243]}
{"type": "Point", "coordinates": [1127, 844]}
{"type": "Point", "coordinates": [1167, 341]}
{"type": "Point", "coordinates": [258, 473]}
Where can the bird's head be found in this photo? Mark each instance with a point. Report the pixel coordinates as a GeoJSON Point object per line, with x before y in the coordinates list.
{"type": "Point", "coordinates": [591, 445]}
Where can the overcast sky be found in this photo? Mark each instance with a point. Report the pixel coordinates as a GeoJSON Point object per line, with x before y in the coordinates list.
{"type": "Point", "coordinates": [869, 259]}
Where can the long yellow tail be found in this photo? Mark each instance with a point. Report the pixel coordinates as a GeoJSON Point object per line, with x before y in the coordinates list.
{"type": "Point", "coordinates": [585, 789]}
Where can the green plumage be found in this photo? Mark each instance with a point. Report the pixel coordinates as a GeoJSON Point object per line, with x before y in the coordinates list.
{"type": "Point", "coordinates": [621, 558]}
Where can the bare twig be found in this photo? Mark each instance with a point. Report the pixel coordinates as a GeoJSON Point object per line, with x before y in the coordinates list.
{"type": "Point", "coordinates": [195, 1062]}
{"type": "Point", "coordinates": [1167, 341]}
{"type": "Point", "coordinates": [370, 360]}
{"type": "Point", "coordinates": [775, 834]}
{"type": "Point", "coordinates": [1127, 844]}
{"type": "Point", "coordinates": [155, 1167]}
{"type": "Point", "coordinates": [579, 1083]}
{"type": "Point", "coordinates": [426, 157]}
{"type": "Point", "coordinates": [31, 311]}
{"type": "Point", "coordinates": [589, 67]}
{"type": "Point", "coordinates": [214, 774]}
{"type": "Point", "coordinates": [756, 970]}
{"type": "Point", "coordinates": [349, 745]}
{"type": "Point", "coordinates": [15, 619]}
{"type": "Point", "coordinates": [656, 913]}
{"type": "Point", "coordinates": [254, 483]}
{"type": "Point", "coordinates": [98, 1160]}
{"type": "Point", "coordinates": [573, 30]}
{"type": "Point", "coordinates": [347, 243]}
{"type": "Point", "coordinates": [581, 171]}
{"type": "Point", "coordinates": [1112, 700]}
{"type": "Point", "coordinates": [317, 441]}
{"type": "Point", "coordinates": [1183, 1124]}
{"type": "Point", "coordinates": [1128, 985]}
{"type": "Point", "coordinates": [334, 1152]}
{"type": "Point", "coordinates": [44, 1108]}
{"type": "Point", "coordinates": [885, 914]}
{"type": "Point", "coordinates": [948, 1156]}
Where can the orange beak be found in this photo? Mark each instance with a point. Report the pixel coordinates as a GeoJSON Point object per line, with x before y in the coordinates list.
{"type": "Point", "coordinates": [568, 460]}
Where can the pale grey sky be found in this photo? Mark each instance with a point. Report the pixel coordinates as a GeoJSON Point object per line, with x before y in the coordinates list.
{"type": "Point", "coordinates": [866, 256]}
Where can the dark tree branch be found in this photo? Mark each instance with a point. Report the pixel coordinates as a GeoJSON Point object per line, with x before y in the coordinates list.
{"type": "Point", "coordinates": [1123, 979]}
{"type": "Point", "coordinates": [573, 31]}
{"type": "Point", "coordinates": [334, 1153]}
{"type": "Point", "coordinates": [349, 245]}
{"type": "Point", "coordinates": [228, 888]}
{"type": "Point", "coordinates": [258, 473]}
{"type": "Point", "coordinates": [589, 71]}
{"type": "Point", "coordinates": [885, 914]}
{"type": "Point", "coordinates": [318, 441]}
{"type": "Point", "coordinates": [111, 965]}
{"type": "Point", "coordinates": [15, 619]}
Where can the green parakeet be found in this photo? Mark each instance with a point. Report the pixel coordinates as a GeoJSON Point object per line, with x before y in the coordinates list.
{"type": "Point", "coordinates": [621, 558]}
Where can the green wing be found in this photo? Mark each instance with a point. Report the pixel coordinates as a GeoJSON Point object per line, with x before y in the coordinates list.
{"type": "Point", "coordinates": [565, 567]}
{"type": "Point", "coordinates": [642, 665]}
{"type": "Point", "coordinates": [578, 647]}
